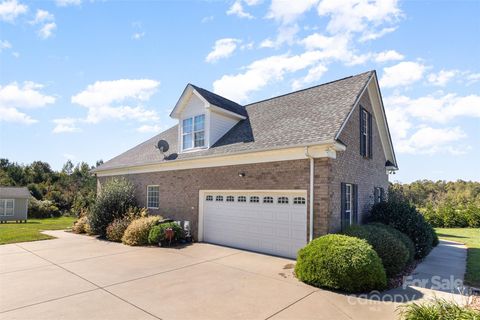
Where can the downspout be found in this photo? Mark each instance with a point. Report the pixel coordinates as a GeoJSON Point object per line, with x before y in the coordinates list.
{"type": "Point", "coordinates": [312, 171]}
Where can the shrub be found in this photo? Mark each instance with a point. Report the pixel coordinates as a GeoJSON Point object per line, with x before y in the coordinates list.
{"type": "Point", "coordinates": [116, 229]}
{"type": "Point", "coordinates": [42, 209]}
{"type": "Point", "coordinates": [114, 200]}
{"type": "Point", "coordinates": [340, 262]}
{"type": "Point", "coordinates": [404, 217]}
{"type": "Point", "coordinates": [402, 237]}
{"type": "Point", "coordinates": [390, 249]}
{"type": "Point", "coordinates": [138, 230]}
{"type": "Point", "coordinates": [79, 225]}
{"type": "Point", "coordinates": [437, 309]}
{"type": "Point", "coordinates": [157, 233]}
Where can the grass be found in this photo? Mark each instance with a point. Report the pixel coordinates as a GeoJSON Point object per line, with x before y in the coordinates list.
{"type": "Point", "coordinates": [19, 232]}
{"type": "Point", "coordinates": [471, 238]}
{"type": "Point", "coordinates": [435, 310]}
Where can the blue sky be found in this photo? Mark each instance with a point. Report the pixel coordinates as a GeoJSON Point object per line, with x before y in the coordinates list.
{"type": "Point", "coordinates": [86, 80]}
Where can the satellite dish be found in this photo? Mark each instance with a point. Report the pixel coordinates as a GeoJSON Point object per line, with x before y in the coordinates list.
{"type": "Point", "coordinates": [163, 146]}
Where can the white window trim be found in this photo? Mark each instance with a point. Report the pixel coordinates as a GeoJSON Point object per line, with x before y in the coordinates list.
{"type": "Point", "coordinates": [205, 132]}
{"type": "Point", "coordinates": [154, 185]}
{"type": "Point", "coordinates": [5, 208]}
{"type": "Point", "coordinates": [349, 199]}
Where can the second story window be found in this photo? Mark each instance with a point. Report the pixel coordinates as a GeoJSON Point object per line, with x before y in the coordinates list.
{"type": "Point", "coordinates": [193, 132]}
{"type": "Point", "coordinates": [365, 133]}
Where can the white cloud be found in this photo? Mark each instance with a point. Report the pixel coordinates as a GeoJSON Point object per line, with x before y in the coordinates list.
{"type": "Point", "coordinates": [11, 9]}
{"type": "Point", "coordinates": [150, 128]}
{"type": "Point", "coordinates": [69, 156]}
{"type": "Point", "coordinates": [42, 16]}
{"type": "Point", "coordinates": [65, 125]}
{"type": "Point", "coordinates": [389, 55]}
{"type": "Point", "coordinates": [262, 72]}
{"type": "Point", "coordinates": [289, 11]}
{"type": "Point", "coordinates": [138, 35]}
{"type": "Point", "coordinates": [13, 115]}
{"type": "Point", "coordinates": [441, 78]}
{"type": "Point", "coordinates": [109, 100]}
{"type": "Point", "coordinates": [16, 54]}
{"type": "Point", "coordinates": [46, 31]}
{"type": "Point", "coordinates": [4, 44]}
{"type": "Point", "coordinates": [437, 109]}
{"type": "Point", "coordinates": [26, 96]}
{"type": "Point", "coordinates": [223, 48]}
{"type": "Point", "coordinates": [314, 74]}
{"type": "Point", "coordinates": [237, 10]}
{"type": "Point", "coordinates": [473, 77]}
{"type": "Point", "coordinates": [358, 15]}
{"type": "Point", "coordinates": [373, 35]}
{"type": "Point", "coordinates": [66, 3]}
{"type": "Point", "coordinates": [286, 34]}
{"type": "Point", "coordinates": [334, 48]}
{"type": "Point", "coordinates": [402, 74]}
{"type": "Point", "coordinates": [405, 114]}
{"type": "Point", "coordinates": [428, 140]}
{"type": "Point", "coordinates": [207, 19]}
{"type": "Point", "coordinates": [267, 43]}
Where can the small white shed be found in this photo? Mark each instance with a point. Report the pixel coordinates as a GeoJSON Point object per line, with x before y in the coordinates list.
{"type": "Point", "coordinates": [14, 204]}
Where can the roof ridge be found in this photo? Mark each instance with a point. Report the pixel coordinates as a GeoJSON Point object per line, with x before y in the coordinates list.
{"type": "Point", "coordinates": [197, 87]}
{"type": "Point", "coordinates": [312, 87]}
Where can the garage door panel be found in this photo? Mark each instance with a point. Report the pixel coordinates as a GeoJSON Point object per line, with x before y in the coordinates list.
{"type": "Point", "coordinates": [274, 228]}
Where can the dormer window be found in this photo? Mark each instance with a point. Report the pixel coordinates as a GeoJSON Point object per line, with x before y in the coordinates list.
{"type": "Point", "coordinates": [193, 132]}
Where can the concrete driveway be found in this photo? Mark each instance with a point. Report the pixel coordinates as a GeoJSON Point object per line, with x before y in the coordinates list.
{"type": "Point", "coordinates": [79, 277]}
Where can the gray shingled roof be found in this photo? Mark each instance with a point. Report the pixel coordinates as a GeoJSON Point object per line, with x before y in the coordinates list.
{"type": "Point", "coordinates": [303, 117]}
{"type": "Point", "coordinates": [14, 192]}
{"type": "Point", "coordinates": [220, 101]}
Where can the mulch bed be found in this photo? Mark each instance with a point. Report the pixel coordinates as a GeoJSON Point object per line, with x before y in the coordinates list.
{"type": "Point", "coordinates": [397, 281]}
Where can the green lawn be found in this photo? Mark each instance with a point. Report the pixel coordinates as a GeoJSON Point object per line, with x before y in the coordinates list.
{"type": "Point", "coordinates": [30, 231]}
{"type": "Point", "coordinates": [471, 238]}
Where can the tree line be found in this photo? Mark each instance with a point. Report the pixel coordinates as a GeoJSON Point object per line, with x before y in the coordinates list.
{"type": "Point", "coordinates": [444, 203]}
{"type": "Point", "coordinates": [54, 193]}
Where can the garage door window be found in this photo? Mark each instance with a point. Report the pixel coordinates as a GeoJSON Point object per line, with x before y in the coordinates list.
{"type": "Point", "coordinates": [267, 200]}
{"type": "Point", "coordinates": [242, 199]}
{"type": "Point", "coordinates": [299, 200]}
{"type": "Point", "coordinates": [282, 200]}
{"type": "Point", "coordinates": [219, 198]}
{"type": "Point", "coordinates": [209, 198]}
{"type": "Point", "coordinates": [230, 198]}
{"type": "Point", "coordinates": [254, 199]}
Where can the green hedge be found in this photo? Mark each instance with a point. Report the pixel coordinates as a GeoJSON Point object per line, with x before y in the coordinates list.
{"type": "Point", "coordinates": [401, 236]}
{"type": "Point", "coordinates": [390, 249]}
{"type": "Point", "coordinates": [341, 262]}
{"type": "Point", "coordinates": [404, 217]}
{"type": "Point", "coordinates": [157, 233]}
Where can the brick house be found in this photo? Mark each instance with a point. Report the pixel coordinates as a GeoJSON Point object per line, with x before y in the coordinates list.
{"type": "Point", "coordinates": [270, 175]}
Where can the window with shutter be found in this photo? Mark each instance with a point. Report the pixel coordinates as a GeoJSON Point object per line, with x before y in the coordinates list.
{"type": "Point", "coordinates": [349, 204]}
{"type": "Point", "coordinates": [365, 133]}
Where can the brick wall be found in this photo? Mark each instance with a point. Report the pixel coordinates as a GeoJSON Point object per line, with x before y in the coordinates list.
{"type": "Point", "coordinates": [179, 190]}
{"type": "Point", "coordinates": [351, 167]}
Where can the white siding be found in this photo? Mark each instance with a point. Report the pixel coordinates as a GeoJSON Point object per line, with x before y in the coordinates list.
{"type": "Point", "coordinates": [194, 107]}
{"type": "Point", "coordinates": [219, 125]}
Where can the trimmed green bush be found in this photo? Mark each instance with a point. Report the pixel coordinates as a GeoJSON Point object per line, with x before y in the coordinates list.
{"type": "Point", "coordinates": [116, 229]}
{"type": "Point", "coordinates": [138, 230]}
{"type": "Point", "coordinates": [157, 233]}
{"type": "Point", "coordinates": [404, 217]}
{"type": "Point", "coordinates": [438, 309]}
{"type": "Point", "coordinates": [340, 262]}
{"type": "Point", "coordinates": [113, 201]}
{"type": "Point", "coordinates": [401, 236]}
{"type": "Point", "coordinates": [390, 249]}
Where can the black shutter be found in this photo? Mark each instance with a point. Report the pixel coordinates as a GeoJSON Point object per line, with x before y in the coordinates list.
{"type": "Point", "coordinates": [376, 195]}
{"type": "Point", "coordinates": [362, 141]}
{"type": "Point", "coordinates": [382, 194]}
{"type": "Point", "coordinates": [343, 194]}
{"type": "Point", "coordinates": [355, 203]}
{"type": "Point", "coordinates": [370, 147]}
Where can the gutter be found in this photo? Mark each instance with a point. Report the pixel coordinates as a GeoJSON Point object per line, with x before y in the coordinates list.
{"type": "Point", "coordinates": [312, 171]}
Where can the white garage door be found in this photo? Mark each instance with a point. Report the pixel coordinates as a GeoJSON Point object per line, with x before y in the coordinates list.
{"type": "Point", "coordinates": [269, 222]}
